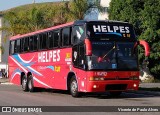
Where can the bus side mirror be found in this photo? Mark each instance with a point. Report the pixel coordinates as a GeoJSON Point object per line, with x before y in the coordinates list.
{"type": "Point", "coordinates": [88, 47]}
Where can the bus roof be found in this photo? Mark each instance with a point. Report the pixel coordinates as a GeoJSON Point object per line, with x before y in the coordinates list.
{"type": "Point", "coordinates": [98, 21]}
{"type": "Point", "coordinates": [78, 22]}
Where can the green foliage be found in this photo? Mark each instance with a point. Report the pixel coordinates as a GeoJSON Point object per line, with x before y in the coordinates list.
{"type": "Point", "coordinates": [32, 17]}
{"type": "Point", "coordinates": [29, 18]}
{"type": "Point", "coordinates": [79, 8]}
{"type": "Point", "coordinates": [145, 16]}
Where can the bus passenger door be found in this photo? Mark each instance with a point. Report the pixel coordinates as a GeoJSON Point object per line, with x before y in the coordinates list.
{"type": "Point", "coordinates": [79, 63]}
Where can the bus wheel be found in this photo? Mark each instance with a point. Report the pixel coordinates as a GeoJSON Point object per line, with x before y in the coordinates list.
{"type": "Point", "coordinates": [115, 94]}
{"type": "Point", "coordinates": [74, 87]}
{"type": "Point", "coordinates": [30, 84]}
{"type": "Point", "coordinates": [24, 83]}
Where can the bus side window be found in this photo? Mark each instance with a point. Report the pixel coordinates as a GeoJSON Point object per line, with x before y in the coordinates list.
{"type": "Point", "coordinates": [22, 45]}
{"type": "Point", "coordinates": [15, 46]}
{"type": "Point", "coordinates": [12, 45]}
{"type": "Point", "coordinates": [78, 34]}
{"type": "Point", "coordinates": [26, 45]}
{"type": "Point", "coordinates": [18, 46]}
{"type": "Point", "coordinates": [56, 38]}
{"type": "Point", "coordinates": [66, 37]}
{"type": "Point", "coordinates": [35, 40]}
{"type": "Point", "coordinates": [43, 41]}
{"type": "Point", "coordinates": [31, 43]}
{"type": "Point", "coordinates": [50, 39]}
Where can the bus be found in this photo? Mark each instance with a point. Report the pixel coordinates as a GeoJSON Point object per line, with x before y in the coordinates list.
{"type": "Point", "coordinates": [80, 56]}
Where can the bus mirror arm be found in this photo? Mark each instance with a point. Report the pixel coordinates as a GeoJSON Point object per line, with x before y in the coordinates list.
{"type": "Point", "coordinates": [145, 45]}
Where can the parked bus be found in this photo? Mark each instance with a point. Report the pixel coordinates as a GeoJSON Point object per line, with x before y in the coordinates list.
{"type": "Point", "coordinates": [80, 56]}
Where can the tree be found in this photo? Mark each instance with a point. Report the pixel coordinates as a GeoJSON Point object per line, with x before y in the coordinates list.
{"type": "Point", "coordinates": [150, 19]}
{"type": "Point", "coordinates": [127, 10]}
{"type": "Point", "coordinates": [79, 8]}
{"type": "Point", "coordinates": [145, 16]}
{"type": "Point", "coordinates": [36, 19]}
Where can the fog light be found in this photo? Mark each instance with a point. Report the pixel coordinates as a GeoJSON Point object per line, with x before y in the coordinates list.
{"type": "Point", "coordinates": [94, 86]}
{"type": "Point", "coordinates": [96, 78]}
{"type": "Point", "coordinates": [101, 78]}
{"type": "Point", "coordinates": [134, 78]}
{"type": "Point", "coordinates": [135, 85]}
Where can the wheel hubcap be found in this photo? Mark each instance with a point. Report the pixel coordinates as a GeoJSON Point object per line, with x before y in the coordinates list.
{"type": "Point", "coordinates": [30, 84]}
{"type": "Point", "coordinates": [74, 86]}
{"type": "Point", "coordinates": [24, 82]}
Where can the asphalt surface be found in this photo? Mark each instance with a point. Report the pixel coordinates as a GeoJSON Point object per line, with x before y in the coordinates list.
{"type": "Point", "coordinates": [12, 95]}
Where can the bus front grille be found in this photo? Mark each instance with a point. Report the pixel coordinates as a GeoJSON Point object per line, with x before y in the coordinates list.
{"type": "Point", "coordinates": [116, 87]}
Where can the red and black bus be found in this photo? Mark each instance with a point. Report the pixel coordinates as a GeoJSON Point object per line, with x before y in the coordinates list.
{"type": "Point", "coordinates": [80, 56]}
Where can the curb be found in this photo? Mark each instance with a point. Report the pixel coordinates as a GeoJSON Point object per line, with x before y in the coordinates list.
{"type": "Point", "coordinates": [146, 92]}
{"type": "Point", "coordinates": [6, 83]}
{"type": "Point", "coordinates": [149, 85]}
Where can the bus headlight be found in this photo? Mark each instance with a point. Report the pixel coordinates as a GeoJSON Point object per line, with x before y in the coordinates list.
{"type": "Point", "coordinates": [134, 78]}
{"type": "Point", "coordinates": [134, 85]}
{"type": "Point", "coordinates": [96, 78]}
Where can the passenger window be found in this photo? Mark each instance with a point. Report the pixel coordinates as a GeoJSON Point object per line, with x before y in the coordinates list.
{"type": "Point", "coordinates": [43, 39]}
{"type": "Point", "coordinates": [78, 34]}
{"type": "Point", "coordinates": [18, 46]}
{"type": "Point", "coordinates": [50, 39]}
{"type": "Point", "coordinates": [35, 40]}
{"type": "Point", "coordinates": [56, 38]}
{"type": "Point", "coordinates": [12, 44]}
{"type": "Point", "coordinates": [26, 45]}
{"type": "Point", "coordinates": [31, 43]}
{"type": "Point", "coordinates": [22, 44]}
{"type": "Point", "coordinates": [66, 37]}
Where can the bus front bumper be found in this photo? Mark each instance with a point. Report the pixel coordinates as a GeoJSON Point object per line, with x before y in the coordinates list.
{"type": "Point", "coordinates": [112, 85]}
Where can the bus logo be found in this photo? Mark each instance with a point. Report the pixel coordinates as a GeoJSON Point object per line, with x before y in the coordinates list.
{"type": "Point", "coordinates": [57, 68]}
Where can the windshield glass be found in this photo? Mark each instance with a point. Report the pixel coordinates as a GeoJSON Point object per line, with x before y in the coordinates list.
{"type": "Point", "coordinates": [113, 55]}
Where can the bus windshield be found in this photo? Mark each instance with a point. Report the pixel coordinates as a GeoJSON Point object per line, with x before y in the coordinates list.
{"type": "Point", "coordinates": [113, 55]}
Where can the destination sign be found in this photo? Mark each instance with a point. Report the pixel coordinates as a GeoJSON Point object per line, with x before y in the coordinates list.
{"type": "Point", "coordinates": [109, 31]}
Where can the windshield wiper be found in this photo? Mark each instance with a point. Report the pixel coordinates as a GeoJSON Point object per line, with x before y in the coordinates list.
{"type": "Point", "coordinates": [100, 59]}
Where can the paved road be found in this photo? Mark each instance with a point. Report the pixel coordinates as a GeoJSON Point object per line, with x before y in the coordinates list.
{"type": "Point", "coordinates": [12, 95]}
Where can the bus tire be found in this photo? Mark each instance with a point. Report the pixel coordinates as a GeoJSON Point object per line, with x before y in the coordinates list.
{"type": "Point", "coordinates": [74, 87]}
{"type": "Point", "coordinates": [24, 83]}
{"type": "Point", "coordinates": [115, 94]}
{"type": "Point", "coordinates": [30, 84]}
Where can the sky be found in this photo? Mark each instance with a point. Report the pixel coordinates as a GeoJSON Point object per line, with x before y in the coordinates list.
{"type": "Point", "coordinates": [7, 4]}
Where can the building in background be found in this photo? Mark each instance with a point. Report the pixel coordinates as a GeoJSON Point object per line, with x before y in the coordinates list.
{"type": "Point", "coordinates": [95, 14]}
{"type": "Point", "coordinates": [104, 15]}
{"type": "Point", "coordinates": [4, 49]}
